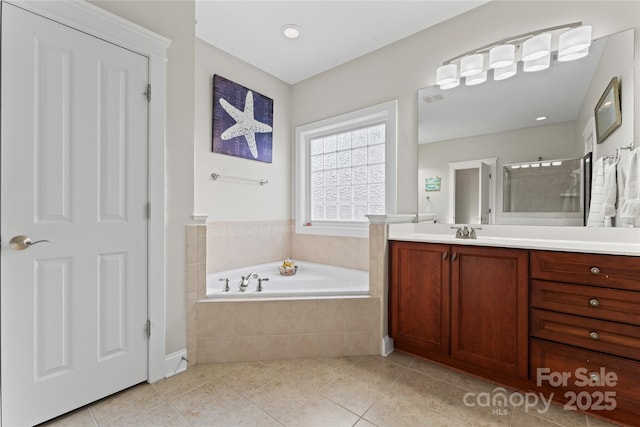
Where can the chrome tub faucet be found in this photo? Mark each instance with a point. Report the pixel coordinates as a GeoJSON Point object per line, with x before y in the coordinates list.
{"type": "Point", "coordinates": [244, 281]}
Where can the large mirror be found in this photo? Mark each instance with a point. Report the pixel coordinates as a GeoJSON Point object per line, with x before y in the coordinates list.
{"type": "Point", "coordinates": [536, 116]}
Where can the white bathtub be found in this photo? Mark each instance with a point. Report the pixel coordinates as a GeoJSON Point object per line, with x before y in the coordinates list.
{"type": "Point", "coordinates": [311, 280]}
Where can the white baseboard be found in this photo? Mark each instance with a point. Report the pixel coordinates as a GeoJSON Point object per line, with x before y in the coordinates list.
{"type": "Point", "coordinates": [387, 345]}
{"type": "Point", "coordinates": [174, 363]}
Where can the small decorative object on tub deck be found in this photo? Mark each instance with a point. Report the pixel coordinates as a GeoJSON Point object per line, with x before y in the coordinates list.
{"type": "Point", "coordinates": [288, 268]}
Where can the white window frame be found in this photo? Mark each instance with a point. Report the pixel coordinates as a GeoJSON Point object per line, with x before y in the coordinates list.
{"type": "Point", "coordinates": [382, 113]}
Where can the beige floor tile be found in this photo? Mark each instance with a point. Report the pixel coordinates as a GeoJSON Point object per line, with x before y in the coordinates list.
{"type": "Point", "coordinates": [557, 414]}
{"type": "Point", "coordinates": [188, 380]}
{"type": "Point", "coordinates": [210, 405]}
{"type": "Point", "coordinates": [596, 422]}
{"type": "Point", "coordinates": [376, 369]}
{"type": "Point", "coordinates": [280, 396]}
{"type": "Point", "coordinates": [394, 411]}
{"type": "Point", "coordinates": [424, 389]}
{"type": "Point", "coordinates": [474, 384]}
{"type": "Point", "coordinates": [351, 393]}
{"type": "Point", "coordinates": [524, 419]}
{"type": "Point", "coordinates": [163, 416]}
{"type": "Point", "coordinates": [435, 371]}
{"type": "Point", "coordinates": [321, 412]}
{"type": "Point", "coordinates": [401, 358]}
{"type": "Point", "coordinates": [79, 418]}
{"type": "Point", "coordinates": [138, 399]}
{"type": "Point", "coordinates": [245, 377]}
{"type": "Point", "coordinates": [313, 373]}
{"type": "Point", "coordinates": [364, 423]}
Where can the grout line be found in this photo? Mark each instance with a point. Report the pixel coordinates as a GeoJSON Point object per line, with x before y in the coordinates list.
{"type": "Point", "coordinates": [93, 417]}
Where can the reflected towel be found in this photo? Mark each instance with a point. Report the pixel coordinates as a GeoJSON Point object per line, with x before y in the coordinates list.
{"type": "Point", "coordinates": [631, 204]}
{"type": "Point", "coordinates": [610, 190]}
{"type": "Point", "coordinates": [620, 179]}
{"type": "Point", "coordinates": [596, 211]}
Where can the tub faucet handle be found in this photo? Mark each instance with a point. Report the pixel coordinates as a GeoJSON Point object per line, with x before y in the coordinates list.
{"type": "Point", "coordinates": [226, 284]}
{"type": "Point", "coordinates": [260, 280]}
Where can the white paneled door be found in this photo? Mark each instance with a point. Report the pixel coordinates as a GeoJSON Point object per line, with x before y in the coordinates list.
{"type": "Point", "coordinates": [73, 176]}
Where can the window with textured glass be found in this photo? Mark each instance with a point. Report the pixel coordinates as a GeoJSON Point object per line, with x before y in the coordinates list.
{"type": "Point", "coordinates": [347, 174]}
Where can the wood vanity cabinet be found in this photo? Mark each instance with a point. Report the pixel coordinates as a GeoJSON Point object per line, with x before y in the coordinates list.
{"type": "Point", "coordinates": [420, 297]}
{"type": "Point", "coordinates": [510, 315]}
{"type": "Point", "coordinates": [489, 308]}
{"type": "Point", "coordinates": [585, 322]}
{"type": "Point", "coordinates": [465, 306]}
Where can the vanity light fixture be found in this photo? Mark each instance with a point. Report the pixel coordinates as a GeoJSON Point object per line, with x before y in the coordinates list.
{"type": "Point", "coordinates": [538, 64]}
{"type": "Point", "coordinates": [476, 79]}
{"type": "Point", "coordinates": [545, 164]}
{"type": "Point", "coordinates": [504, 73]}
{"type": "Point", "coordinates": [557, 163]}
{"type": "Point", "coordinates": [502, 56]}
{"type": "Point", "coordinates": [447, 74]}
{"type": "Point", "coordinates": [471, 65]}
{"type": "Point", "coordinates": [574, 41]}
{"type": "Point", "coordinates": [291, 31]}
{"type": "Point", "coordinates": [536, 47]}
{"type": "Point", "coordinates": [532, 48]}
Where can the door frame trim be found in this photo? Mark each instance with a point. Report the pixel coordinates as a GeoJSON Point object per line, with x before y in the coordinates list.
{"type": "Point", "coordinates": [107, 26]}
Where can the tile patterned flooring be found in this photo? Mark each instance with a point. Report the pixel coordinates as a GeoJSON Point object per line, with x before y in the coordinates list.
{"type": "Point", "coordinates": [349, 391]}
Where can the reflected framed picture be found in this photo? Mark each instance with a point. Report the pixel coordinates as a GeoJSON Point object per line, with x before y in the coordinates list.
{"type": "Point", "coordinates": [432, 183]}
{"type": "Point", "coordinates": [607, 112]}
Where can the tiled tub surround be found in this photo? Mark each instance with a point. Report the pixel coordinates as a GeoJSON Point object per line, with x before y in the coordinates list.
{"type": "Point", "coordinates": [238, 244]}
{"type": "Point", "coordinates": [286, 329]}
{"type": "Point", "coordinates": [219, 246]}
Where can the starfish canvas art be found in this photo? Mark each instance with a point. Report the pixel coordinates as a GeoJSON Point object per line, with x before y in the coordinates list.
{"type": "Point", "coordinates": [242, 121]}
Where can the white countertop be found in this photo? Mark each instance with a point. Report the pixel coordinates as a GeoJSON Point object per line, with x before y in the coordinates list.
{"type": "Point", "coordinates": [614, 241]}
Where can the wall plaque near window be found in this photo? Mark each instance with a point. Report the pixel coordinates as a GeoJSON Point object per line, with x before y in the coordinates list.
{"type": "Point", "coordinates": [242, 121]}
{"type": "Point", "coordinates": [607, 111]}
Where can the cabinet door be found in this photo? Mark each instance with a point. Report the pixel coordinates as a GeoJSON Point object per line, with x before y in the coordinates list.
{"type": "Point", "coordinates": [419, 297]}
{"type": "Point", "coordinates": [489, 308]}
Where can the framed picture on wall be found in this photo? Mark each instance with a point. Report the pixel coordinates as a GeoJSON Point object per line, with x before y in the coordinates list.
{"type": "Point", "coordinates": [242, 121]}
{"type": "Point", "coordinates": [607, 112]}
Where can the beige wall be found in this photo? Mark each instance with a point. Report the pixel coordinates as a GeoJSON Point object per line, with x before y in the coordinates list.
{"type": "Point", "coordinates": [234, 201]}
{"type": "Point", "coordinates": [175, 20]}
{"type": "Point", "coordinates": [400, 69]}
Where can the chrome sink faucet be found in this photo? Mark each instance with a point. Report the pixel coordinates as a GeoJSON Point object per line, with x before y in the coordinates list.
{"type": "Point", "coordinates": [466, 232]}
{"type": "Point", "coordinates": [244, 281]}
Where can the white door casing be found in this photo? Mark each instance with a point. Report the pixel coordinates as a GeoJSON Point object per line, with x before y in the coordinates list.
{"type": "Point", "coordinates": [70, 177]}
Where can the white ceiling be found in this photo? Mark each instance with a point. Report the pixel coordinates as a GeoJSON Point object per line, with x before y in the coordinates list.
{"type": "Point", "coordinates": [333, 32]}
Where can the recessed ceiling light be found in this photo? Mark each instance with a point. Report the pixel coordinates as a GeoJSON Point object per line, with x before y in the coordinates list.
{"type": "Point", "coordinates": [291, 31]}
{"type": "Point", "coordinates": [541, 118]}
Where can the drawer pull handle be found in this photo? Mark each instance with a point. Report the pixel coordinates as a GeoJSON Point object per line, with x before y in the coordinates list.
{"type": "Point", "coordinates": [445, 256]}
{"type": "Point", "coordinates": [595, 378]}
{"type": "Point", "coordinates": [593, 302]}
{"type": "Point", "coordinates": [594, 335]}
{"type": "Point", "coordinates": [595, 270]}
{"type": "Point", "coordinates": [455, 256]}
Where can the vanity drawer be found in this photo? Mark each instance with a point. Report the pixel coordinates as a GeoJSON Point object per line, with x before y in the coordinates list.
{"type": "Point", "coordinates": [615, 271]}
{"type": "Point", "coordinates": [590, 301]}
{"type": "Point", "coordinates": [599, 335]}
{"type": "Point", "coordinates": [578, 363]}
